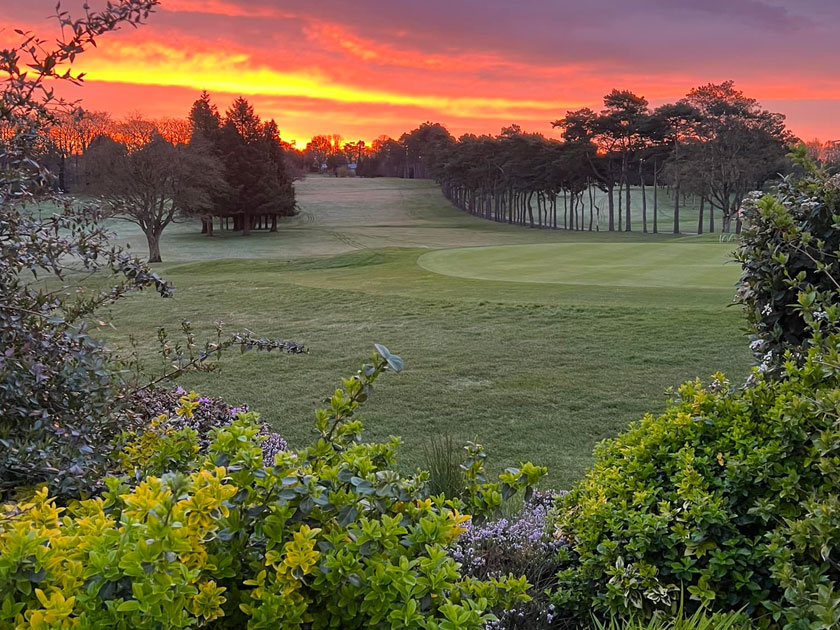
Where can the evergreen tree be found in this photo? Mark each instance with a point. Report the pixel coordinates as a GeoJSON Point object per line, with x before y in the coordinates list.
{"type": "Point", "coordinates": [204, 117]}
{"type": "Point", "coordinates": [241, 114]}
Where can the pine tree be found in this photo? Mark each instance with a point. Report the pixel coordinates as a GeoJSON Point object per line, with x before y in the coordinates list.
{"type": "Point", "coordinates": [204, 117]}
{"type": "Point", "coordinates": [241, 114]}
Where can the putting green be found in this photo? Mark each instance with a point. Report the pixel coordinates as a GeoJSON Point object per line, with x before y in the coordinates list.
{"type": "Point", "coordinates": [646, 264]}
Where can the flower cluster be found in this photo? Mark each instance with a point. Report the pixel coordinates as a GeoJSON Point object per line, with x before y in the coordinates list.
{"type": "Point", "coordinates": [207, 414]}
{"type": "Point", "coordinates": [522, 545]}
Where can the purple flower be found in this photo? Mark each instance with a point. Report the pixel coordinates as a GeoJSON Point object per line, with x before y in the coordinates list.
{"type": "Point", "coordinates": [180, 391]}
{"type": "Point", "coordinates": [204, 401]}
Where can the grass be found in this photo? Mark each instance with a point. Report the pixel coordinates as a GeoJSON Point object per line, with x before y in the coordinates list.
{"type": "Point", "coordinates": [538, 349]}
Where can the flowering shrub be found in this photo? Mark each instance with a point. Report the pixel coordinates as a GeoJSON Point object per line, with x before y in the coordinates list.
{"type": "Point", "coordinates": [524, 544]}
{"type": "Point", "coordinates": [330, 536]}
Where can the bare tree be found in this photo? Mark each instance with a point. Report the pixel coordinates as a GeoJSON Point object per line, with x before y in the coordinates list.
{"type": "Point", "coordinates": [151, 185]}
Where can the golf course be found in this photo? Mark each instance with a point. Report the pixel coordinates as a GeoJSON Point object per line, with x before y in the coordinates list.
{"type": "Point", "coordinates": [536, 343]}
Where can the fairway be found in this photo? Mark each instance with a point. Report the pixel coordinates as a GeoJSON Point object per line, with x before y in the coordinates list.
{"type": "Point", "coordinates": [665, 264]}
{"type": "Point", "coordinates": [536, 343]}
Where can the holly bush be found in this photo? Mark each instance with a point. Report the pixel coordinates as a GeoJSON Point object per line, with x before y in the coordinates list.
{"type": "Point", "coordinates": [329, 536]}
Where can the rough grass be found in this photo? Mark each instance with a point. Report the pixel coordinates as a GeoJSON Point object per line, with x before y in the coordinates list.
{"type": "Point", "coordinates": [537, 370]}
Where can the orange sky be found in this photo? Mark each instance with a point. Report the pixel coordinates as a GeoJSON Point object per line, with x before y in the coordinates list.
{"type": "Point", "coordinates": [370, 67]}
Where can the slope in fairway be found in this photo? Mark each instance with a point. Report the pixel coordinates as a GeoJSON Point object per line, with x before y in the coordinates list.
{"type": "Point", "coordinates": [670, 264]}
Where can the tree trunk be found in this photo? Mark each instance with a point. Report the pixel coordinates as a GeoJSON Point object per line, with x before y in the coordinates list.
{"type": "Point", "coordinates": [677, 208]}
{"type": "Point", "coordinates": [154, 246]}
{"type": "Point", "coordinates": [273, 223]}
{"type": "Point", "coordinates": [711, 217]}
{"type": "Point", "coordinates": [644, 198]}
{"type": "Point", "coordinates": [655, 198]}
{"type": "Point", "coordinates": [246, 225]}
{"type": "Point", "coordinates": [610, 189]}
{"type": "Point", "coordinates": [676, 188]}
{"type": "Point", "coordinates": [62, 174]}
{"type": "Point", "coordinates": [620, 205]}
{"type": "Point", "coordinates": [528, 199]}
{"type": "Point", "coordinates": [627, 227]}
{"type": "Point", "coordinates": [700, 216]}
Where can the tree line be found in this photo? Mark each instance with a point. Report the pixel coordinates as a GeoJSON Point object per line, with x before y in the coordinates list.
{"type": "Point", "coordinates": [716, 144]}
{"type": "Point", "coordinates": [712, 147]}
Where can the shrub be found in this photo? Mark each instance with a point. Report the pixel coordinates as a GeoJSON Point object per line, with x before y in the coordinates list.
{"type": "Point", "coordinates": [57, 385]}
{"type": "Point", "coordinates": [789, 254]}
{"type": "Point", "coordinates": [730, 495]}
{"type": "Point", "coordinates": [330, 536]}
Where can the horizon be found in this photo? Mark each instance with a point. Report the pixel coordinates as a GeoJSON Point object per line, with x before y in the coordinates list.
{"type": "Point", "coordinates": [384, 70]}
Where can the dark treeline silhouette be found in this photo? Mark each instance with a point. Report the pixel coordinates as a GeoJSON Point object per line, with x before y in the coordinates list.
{"type": "Point", "coordinates": [715, 144]}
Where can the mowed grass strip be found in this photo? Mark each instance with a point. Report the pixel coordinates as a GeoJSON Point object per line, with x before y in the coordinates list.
{"type": "Point", "coordinates": [534, 370]}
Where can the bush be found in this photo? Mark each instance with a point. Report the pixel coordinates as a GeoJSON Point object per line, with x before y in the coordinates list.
{"type": "Point", "coordinates": [730, 495]}
{"type": "Point", "coordinates": [789, 254]}
{"type": "Point", "coordinates": [58, 386]}
{"type": "Point", "coordinates": [331, 536]}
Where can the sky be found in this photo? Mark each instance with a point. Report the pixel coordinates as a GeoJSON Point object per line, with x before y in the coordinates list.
{"type": "Point", "coordinates": [371, 67]}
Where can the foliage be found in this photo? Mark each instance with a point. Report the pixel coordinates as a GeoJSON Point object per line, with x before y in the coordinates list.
{"type": "Point", "coordinates": [700, 620]}
{"type": "Point", "coordinates": [331, 536]}
{"type": "Point", "coordinates": [443, 461]}
{"type": "Point", "coordinates": [730, 494]}
{"type": "Point", "coordinates": [56, 385]}
{"type": "Point", "coordinates": [163, 420]}
{"type": "Point", "coordinates": [522, 545]}
{"type": "Point", "coordinates": [789, 253]}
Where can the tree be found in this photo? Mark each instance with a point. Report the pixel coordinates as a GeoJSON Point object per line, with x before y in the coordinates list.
{"type": "Point", "coordinates": [421, 146]}
{"type": "Point", "coordinates": [151, 185]}
{"type": "Point", "coordinates": [739, 146]}
{"type": "Point", "coordinates": [134, 131]}
{"type": "Point", "coordinates": [676, 124]}
{"type": "Point", "coordinates": [623, 122]}
{"type": "Point", "coordinates": [335, 161]}
{"type": "Point", "coordinates": [174, 130]}
{"type": "Point", "coordinates": [244, 119]}
{"type": "Point", "coordinates": [318, 149]}
{"type": "Point", "coordinates": [258, 182]}
{"type": "Point", "coordinates": [584, 128]}
{"type": "Point", "coordinates": [204, 117]}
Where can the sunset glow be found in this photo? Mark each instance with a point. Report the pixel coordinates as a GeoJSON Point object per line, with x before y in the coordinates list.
{"type": "Point", "coordinates": [381, 67]}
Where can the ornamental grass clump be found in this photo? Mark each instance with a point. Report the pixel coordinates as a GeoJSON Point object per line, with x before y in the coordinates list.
{"type": "Point", "coordinates": [331, 536]}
